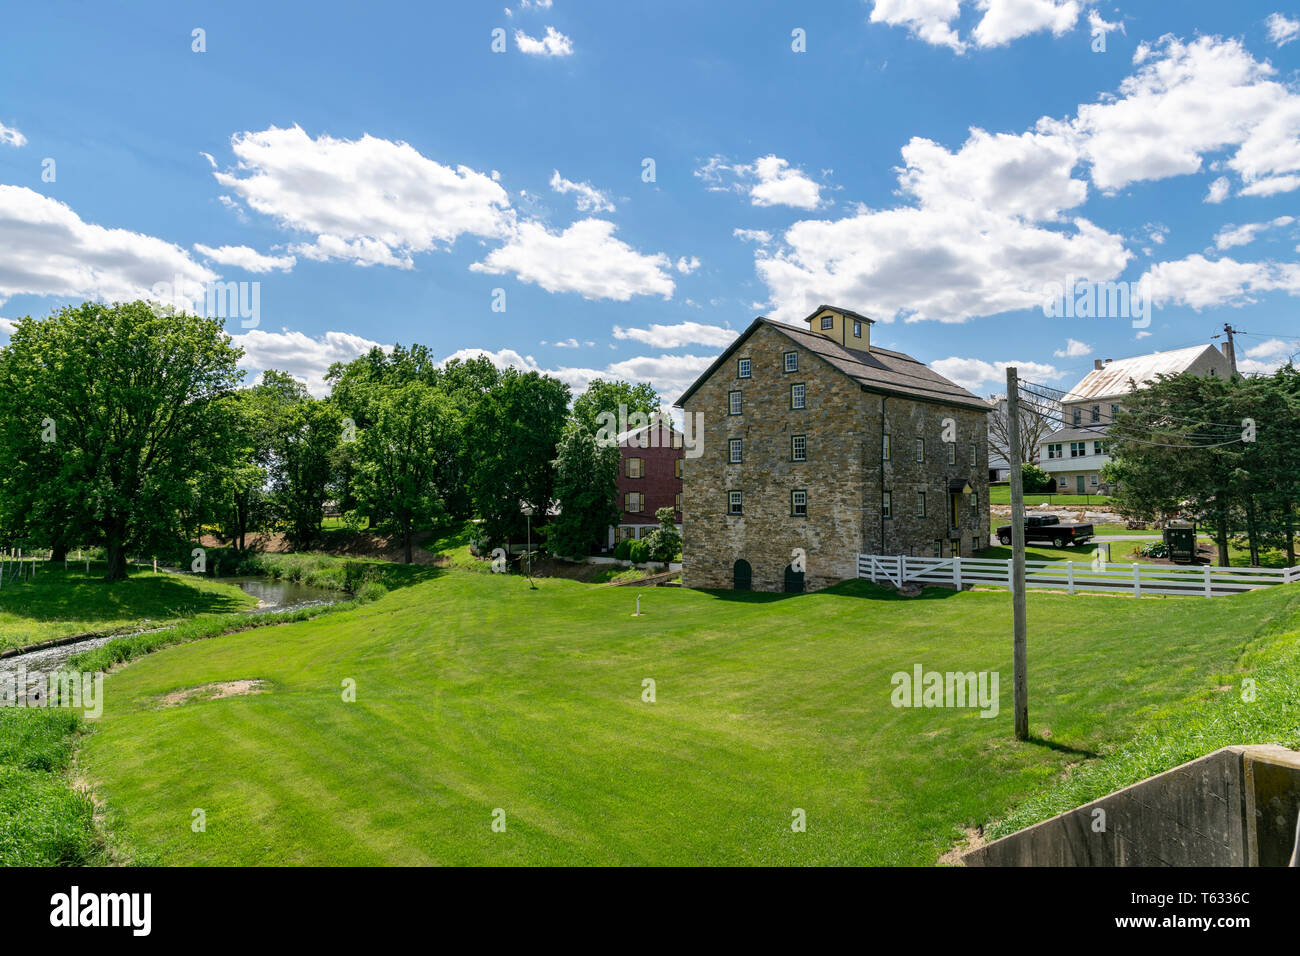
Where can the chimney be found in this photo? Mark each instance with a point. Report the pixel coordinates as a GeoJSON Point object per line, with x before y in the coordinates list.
{"type": "Point", "coordinates": [1096, 364]}
{"type": "Point", "coordinates": [1108, 361]}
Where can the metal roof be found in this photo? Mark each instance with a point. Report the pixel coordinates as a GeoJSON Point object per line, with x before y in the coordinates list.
{"type": "Point", "coordinates": [875, 369]}
{"type": "Point", "coordinates": [1112, 380]}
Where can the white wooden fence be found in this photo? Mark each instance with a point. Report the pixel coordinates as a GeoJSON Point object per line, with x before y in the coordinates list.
{"type": "Point", "coordinates": [1073, 576]}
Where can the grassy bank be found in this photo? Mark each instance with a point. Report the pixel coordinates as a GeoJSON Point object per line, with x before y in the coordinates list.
{"type": "Point", "coordinates": [61, 602]}
{"type": "Point", "coordinates": [476, 694]}
{"type": "Point", "coordinates": [44, 819]}
{"type": "Point", "coordinates": [1194, 726]}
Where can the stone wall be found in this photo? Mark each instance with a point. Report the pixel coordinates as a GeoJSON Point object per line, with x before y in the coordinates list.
{"type": "Point", "coordinates": [908, 532]}
{"type": "Point", "coordinates": [842, 474]}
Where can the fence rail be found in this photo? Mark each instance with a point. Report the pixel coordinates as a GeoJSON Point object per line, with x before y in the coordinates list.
{"type": "Point", "coordinates": [1073, 576]}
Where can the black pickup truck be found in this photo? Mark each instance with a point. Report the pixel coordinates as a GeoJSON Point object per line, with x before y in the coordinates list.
{"type": "Point", "coordinates": [1049, 528]}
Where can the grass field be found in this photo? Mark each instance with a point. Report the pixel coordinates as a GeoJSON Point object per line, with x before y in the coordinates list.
{"type": "Point", "coordinates": [60, 603]}
{"type": "Point", "coordinates": [476, 694]}
{"type": "Point", "coordinates": [1001, 495]}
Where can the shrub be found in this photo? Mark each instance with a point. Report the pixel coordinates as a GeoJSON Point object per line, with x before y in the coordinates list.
{"type": "Point", "coordinates": [664, 542]}
{"type": "Point", "coordinates": [622, 549]}
{"type": "Point", "coordinates": [1156, 549]}
{"type": "Point", "coordinates": [638, 552]}
{"type": "Point", "coordinates": [371, 591]}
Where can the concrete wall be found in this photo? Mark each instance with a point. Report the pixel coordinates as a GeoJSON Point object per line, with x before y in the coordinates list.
{"type": "Point", "coordinates": [1235, 807]}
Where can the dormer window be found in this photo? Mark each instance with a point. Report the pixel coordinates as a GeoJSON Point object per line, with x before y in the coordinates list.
{"type": "Point", "coordinates": [857, 329]}
{"type": "Point", "coordinates": [828, 322]}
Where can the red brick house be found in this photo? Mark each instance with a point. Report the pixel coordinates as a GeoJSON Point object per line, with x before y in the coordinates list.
{"type": "Point", "coordinates": [649, 478]}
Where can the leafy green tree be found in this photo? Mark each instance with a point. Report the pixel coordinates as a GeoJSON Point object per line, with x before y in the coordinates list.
{"type": "Point", "coordinates": [513, 437]}
{"type": "Point", "coordinates": [606, 396]}
{"type": "Point", "coordinates": [132, 394]}
{"type": "Point", "coordinates": [396, 469]}
{"type": "Point", "coordinates": [304, 435]}
{"type": "Point", "coordinates": [586, 486]}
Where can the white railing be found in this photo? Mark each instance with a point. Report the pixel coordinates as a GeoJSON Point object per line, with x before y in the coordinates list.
{"type": "Point", "coordinates": [1073, 576]}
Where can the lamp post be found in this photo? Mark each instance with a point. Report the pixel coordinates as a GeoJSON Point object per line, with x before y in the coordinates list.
{"type": "Point", "coordinates": [527, 509]}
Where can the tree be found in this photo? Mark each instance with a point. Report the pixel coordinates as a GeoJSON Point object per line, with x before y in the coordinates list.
{"type": "Point", "coordinates": [602, 396]}
{"type": "Point", "coordinates": [396, 468]}
{"type": "Point", "coordinates": [514, 435]}
{"type": "Point", "coordinates": [586, 486]}
{"type": "Point", "coordinates": [128, 395]}
{"type": "Point", "coordinates": [665, 541]}
{"type": "Point", "coordinates": [303, 434]}
{"type": "Point", "coordinates": [1174, 449]}
{"type": "Point", "coordinates": [1036, 421]}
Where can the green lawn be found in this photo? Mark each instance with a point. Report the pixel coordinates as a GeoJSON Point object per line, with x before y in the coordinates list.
{"type": "Point", "coordinates": [475, 693]}
{"type": "Point", "coordinates": [1001, 495]}
{"type": "Point", "coordinates": [59, 603]}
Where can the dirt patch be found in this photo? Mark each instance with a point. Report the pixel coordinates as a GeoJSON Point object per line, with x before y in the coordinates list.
{"type": "Point", "coordinates": [974, 840]}
{"type": "Point", "coordinates": [218, 691]}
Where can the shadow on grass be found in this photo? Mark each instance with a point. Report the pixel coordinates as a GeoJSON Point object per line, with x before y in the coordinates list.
{"type": "Point", "coordinates": [58, 595]}
{"type": "Point", "coordinates": [1060, 747]}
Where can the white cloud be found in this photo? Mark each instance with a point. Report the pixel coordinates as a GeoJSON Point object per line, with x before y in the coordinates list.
{"type": "Point", "coordinates": [1219, 190]}
{"type": "Point", "coordinates": [1204, 283]}
{"type": "Point", "coordinates": [1099, 27]}
{"type": "Point", "coordinates": [47, 249]}
{"type": "Point", "coordinates": [969, 247]}
{"type": "Point", "coordinates": [1007, 20]}
{"type": "Point", "coordinates": [1187, 100]}
{"type": "Point", "coordinates": [687, 265]}
{"type": "Point", "coordinates": [989, 226]}
{"type": "Point", "coordinates": [585, 258]}
{"type": "Point", "coordinates": [1281, 30]}
{"type": "Point", "coordinates": [768, 181]}
{"type": "Point", "coordinates": [760, 236]}
{"type": "Point", "coordinates": [1073, 349]}
{"type": "Point", "coordinates": [1029, 175]}
{"type": "Point", "coordinates": [242, 257]}
{"type": "Point", "coordinates": [1230, 236]}
{"type": "Point", "coordinates": [305, 357]}
{"type": "Point", "coordinates": [669, 374]}
{"type": "Point", "coordinates": [1268, 356]}
{"type": "Point", "coordinates": [1272, 186]}
{"type": "Point", "coordinates": [589, 199]}
{"type": "Point", "coordinates": [974, 374]}
{"type": "Point", "coordinates": [370, 201]}
{"type": "Point", "coordinates": [928, 20]}
{"type": "Point", "coordinates": [11, 137]}
{"type": "Point", "coordinates": [676, 336]}
{"type": "Point", "coordinates": [1002, 22]}
{"type": "Point", "coordinates": [554, 43]}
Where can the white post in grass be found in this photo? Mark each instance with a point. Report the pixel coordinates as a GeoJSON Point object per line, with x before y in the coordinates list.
{"type": "Point", "coordinates": [1137, 579]}
{"type": "Point", "coordinates": [1209, 592]}
{"type": "Point", "coordinates": [1069, 571]}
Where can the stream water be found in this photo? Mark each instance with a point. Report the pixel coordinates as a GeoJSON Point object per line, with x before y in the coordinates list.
{"type": "Point", "coordinates": [272, 595]}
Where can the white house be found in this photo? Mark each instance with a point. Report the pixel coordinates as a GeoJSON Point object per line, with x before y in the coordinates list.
{"type": "Point", "coordinates": [1074, 454]}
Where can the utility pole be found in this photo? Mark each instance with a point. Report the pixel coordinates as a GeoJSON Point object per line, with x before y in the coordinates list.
{"type": "Point", "coordinates": [1020, 666]}
{"type": "Point", "coordinates": [1229, 349]}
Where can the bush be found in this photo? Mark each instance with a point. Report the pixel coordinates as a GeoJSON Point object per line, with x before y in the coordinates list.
{"type": "Point", "coordinates": [622, 549]}
{"type": "Point", "coordinates": [638, 552]}
{"type": "Point", "coordinates": [1156, 549]}
{"type": "Point", "coordinates": [1035, 480]}
{"type": "Point", "coordinates": [371, 591]}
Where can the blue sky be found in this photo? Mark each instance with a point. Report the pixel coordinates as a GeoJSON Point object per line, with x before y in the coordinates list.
{"type": "Point", "coordinates": [937, 164]}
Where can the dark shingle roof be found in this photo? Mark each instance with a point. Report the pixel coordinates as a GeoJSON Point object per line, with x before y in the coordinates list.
{"type": "Point", "coordinates": [875, 369]}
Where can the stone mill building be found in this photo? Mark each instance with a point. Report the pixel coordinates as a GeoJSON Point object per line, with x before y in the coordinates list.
{"type": "Point", "coordinates": [817, 446]}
